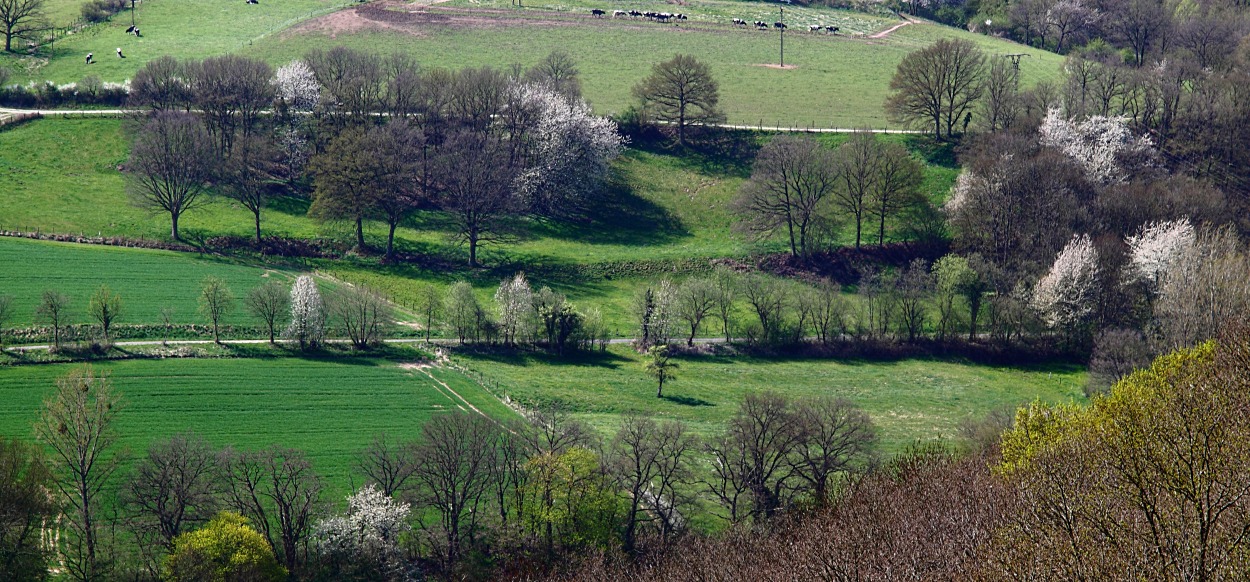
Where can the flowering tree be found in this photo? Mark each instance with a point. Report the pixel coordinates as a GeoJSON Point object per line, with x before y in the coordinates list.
{"type": "Point", "coordinates": [1100, 144]}
{"type": "Point", "coordinates": [297, 86]}
{"type": "Point", "coordinates": [515, 300]}
{"type": "Point", "coordinates": [1156, 248]}
{"type": "Point", "coordinates": [1065, 295]}
{"type": "Point", "coordinates": [367, 536]}
{"type": "Point", "coordinates": [308, 315]}
{"type": "Point", "coordinates": [571, 150]}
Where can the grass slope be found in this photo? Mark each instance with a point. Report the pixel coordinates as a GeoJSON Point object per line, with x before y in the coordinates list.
{"type": "Point", "coordinates": [909, 400]}
{"type": "Point", "coordinates": [331, 409]}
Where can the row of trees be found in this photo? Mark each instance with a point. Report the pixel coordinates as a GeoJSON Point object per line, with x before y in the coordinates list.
{"type": "Point", "coordinates": [468, 491]}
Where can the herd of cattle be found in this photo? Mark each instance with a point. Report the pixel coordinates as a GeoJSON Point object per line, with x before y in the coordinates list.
{"type": "Point", "coordinates": [667, 17]}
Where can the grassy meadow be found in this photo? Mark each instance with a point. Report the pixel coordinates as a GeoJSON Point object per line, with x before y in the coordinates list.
{"type": "Point", "coordinates": [908, 400]}
{"type": "Point", "coordinates": [330, 409]}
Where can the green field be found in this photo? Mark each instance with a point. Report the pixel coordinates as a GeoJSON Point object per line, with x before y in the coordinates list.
{"type": "Point", "coordinates": [909, 400]}
{"type": "Point", "coordinates": [840, 81]}
{"type": "Point", "coordinates": [330, 409]}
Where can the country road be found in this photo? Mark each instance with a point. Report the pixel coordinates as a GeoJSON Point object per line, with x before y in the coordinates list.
{"type": "Point", "coordinates": [436, 341]}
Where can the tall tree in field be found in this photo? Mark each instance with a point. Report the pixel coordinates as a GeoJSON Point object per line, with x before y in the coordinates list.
{"type": "Point", "coordinates": [160, 85]}
{"type": "Point", "coordinates": [343, 175]}
{"type": "Point", "coordinates": [938, 86]}
{"type": "Point", "coordinates": [230, 91]}
{"type": "Point", "coordinates": [20, 19]}
{"type": "Point", "coordinates": [53, 309]}
{"type": "Point", "coordinates": [681, 92]}
{"type": "Point", "coordinates": [77, 427]}
{"type": "Point", "coordinates": [278, 490]}
{"type": "Point", "coordinates": [858, 171]}
{"type": "Point", "coordinates": [661, 366]}
{"type": "Point", "coordinates": [171, 163]}
{"type": "Point", "coordinates": [247, 173]}
{"type": "Point", "coordinates": [456, 460]}
{"type": "Point", "coordinates": [268, 302]}
{"type": "Point", "coordinates": [790, 182]}
{"type": "Point", "coordinates": [475, 184]}
{"type": "Point", "coordinates": [401, 172]}
{"type": "Point", "coordinates": [216, 301]}
{"type": "Point", "coordinates": [105, 308]}
{"type": "Point", "coordinates": [897, 185]}
{"type": "Point", "coordinates": [652, 463]}
{"type": "Point", "coordinates": [308, 313]}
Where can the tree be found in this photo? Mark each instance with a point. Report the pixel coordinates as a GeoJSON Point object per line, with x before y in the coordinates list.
{"type": "Point", "coordinates": [389, 465]}
{"type": "Point", "coordinates": [364, 542]}
{"type": "Point", "coordinates": [225, 549]}
{"type": "Point", "coordinates": [76, 425]}
{"type": "Point", "coordinates": [401, 172]}
{"type": "Point", "coordinates": [858, 163]}
{"type": "Point", "coordinates": [455, 462]}
{"type": "Point", "coordinates": [171, 163]}
{"type": "Point", "coordinates": [344, 181]}
{"type": "Point", "coordinates": [653, 310]}
{"type": "Point", "coordinates": [364, 313]}
{"type": "Point", "coordinates": [268, 302]}
{"type": "Point", "coordinates": [230, 92]}
{"type": "Point", "coordinates": [515, 301]}
{"type": "Point", "coordinates": [6, 313]}
{"type": "Point", "coordinates": [160, 84]}
{"type": "Point", "coordinates": [753, 471]}
{"type": "Point", "coordinates": [914, 285]}
{"type": "Point", "coordinates": [476, 188]}
{"type": "Point", "coordinates": [106, 308]}
{"type": "Point", "coordinates": [21, 19]}
{"type": "Point", "coordinates": [52, 309]}
{"type": "Point", "coordinates": [171, 490]}
{"type": "Point", "coordinates": [308, 314]}
{"type": "Point", "coordinates": [277, 490]}
{"type": "Point", "coordinates": [1003, 102]}
{"type": "Point", "coordinates": [558, 72]}
{"type": "Point", "coordinates": [25, 508]}
{"type": "Point", "coordinates": [790, 181]}
{"type": "Point", "coordinates": [1065, 295]}
{"type": "Point", "coordinates": [837, 438]}
{"type": "Point", "coordinates": [652, 462]}
{"type": "Point", "coordinates": [938, 85]}
{"type": "Point", "coordinates": [462, 307]}
{"type": "Point", "coordinates": [769, 299]}
{"type": "Point", "coordinates": [681, 93]}
{"type": "Point", "coordinates": [247, 172]}
{"type": "Point", "coordinates": [216, 301]}
{"type": "Point", "coordinates": [696, 299]}
{"type": "Point", "coordinates": [897, 186]}
{"type": "Point", "coordinates": [661, 366]}
{"type": "Point", "coordinates": [430, 306]}
{"type": "Point", "coordinates": [1206, 287]}
{"type": "Point", "coordinates": [1103, 146]}
{"type": "Point", "coordinates": [725, 283]}
{"type": "Point", "coordinates": [296, 85]}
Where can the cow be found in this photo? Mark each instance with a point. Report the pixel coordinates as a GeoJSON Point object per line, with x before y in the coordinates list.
{"type": "Point", "coordinates": [619, 13]}
{"type": "Point", "coordinates": [89, 57]}
{"type": "Point", "coordinates": [832, 29]}
{"type": "Point", "coordinates": [119, 53]}
{"type": "Point", "coordinates": [131, 29]}
{"type": "Point", "coordinates": [761, 24]}
{"type": "Point", "coordinates": [739, 22]}
{"type": "Point", "coordinates": [679, 16]}
{"type": "Point", "coordinates": [814, 28]}
{"type": "Point", "coordinates": [635, 13]}
{"type": "Point", "coordinates": [779, 25]}
{"type": "Point", "coordinates": [597, 13]}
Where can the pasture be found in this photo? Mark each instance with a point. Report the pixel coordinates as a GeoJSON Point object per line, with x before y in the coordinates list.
{"type": "Point", "coordinates": [330, 409]}
{"type": "Point", "coordinates": [908, 400]}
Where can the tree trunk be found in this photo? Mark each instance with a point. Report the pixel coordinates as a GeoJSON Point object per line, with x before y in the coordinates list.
{"type": "Point", "coordinates": [257, 213]}
{"type": "Point", "coordinates": [390, 241]}
{"type": "Point", "coordinates": [473, 249]}
{"type": "Point", "coordinates": [174, 228]}
{"type": "Point", "coordinates": [859, 229]}
{"type": "Point", "coordinates": [659, 393]}
{"type": "Point", "coordinates": [881, 230]}
{"type": "Point", "coordinates": [360, 233]}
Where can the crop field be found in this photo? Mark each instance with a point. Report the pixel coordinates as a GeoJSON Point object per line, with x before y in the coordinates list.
{"type": "Point", "coordinates": [908, 400]}
{"type": "Point", "coordinates": [146, 280]}
{"type": "Point", "coordinates": [330, 409]}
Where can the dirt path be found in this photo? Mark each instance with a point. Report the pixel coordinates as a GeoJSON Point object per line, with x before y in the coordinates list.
{"type": "Point", "coordinates": [906, 20]}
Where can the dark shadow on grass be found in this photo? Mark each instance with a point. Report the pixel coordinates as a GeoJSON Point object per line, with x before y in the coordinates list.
{"type": "Point", "coordinates": [523, 358]}
{"type": "Point", "coordinates": [687, 401]}
{"type": "Point", "coordinates": [289, 205]}
{"type": "Point", "coordinates": [619, 217]}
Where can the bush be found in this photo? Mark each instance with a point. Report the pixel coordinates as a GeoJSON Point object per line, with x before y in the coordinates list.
{"type": "Point", "coordinates": [101, 10]}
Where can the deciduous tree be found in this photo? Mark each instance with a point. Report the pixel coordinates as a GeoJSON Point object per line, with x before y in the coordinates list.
{"type": "Point", "coordinates": [790, 182]}
{"type": "Point", "coordinates": [171, 164]}
{"type": "Point", "coordinates": [22, 19]}
{"type": "Point", "coordinates": [660, 365]}
{"type": "Point", "coordinates": [476, 188]}
{"type": "Point", "coordinates": [52, 310]}
{"type": "Point", "coordinates": [308, 313]}
{"type": "Point", "coordinates": [268, 302]}
{"type": "Point", "coordinates": [681, 93]}
{"type": "Point", "coordinates": [216, 300]}
{"type": "Point", "coordinates": [938, 85]}
{"type": "Point", "coordinates": [105, 308]}
{"type": "Point", "coordinates": [225, 549]}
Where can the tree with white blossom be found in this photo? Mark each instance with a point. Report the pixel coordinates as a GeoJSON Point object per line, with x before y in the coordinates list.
{"type": "Point", "coordinates": [1100, 144]}
{"type": "Point", "coordinates": [366, 539]}
{"type": "Point", "coordinates": [1156, 248]}
{"type": "Point", "coordinates": [571, 150]}
{"type": "Point", "coordinates": [297, 86]}
{"type": "Point", "coordinates": [515, 301]}
{"type": "Point", "coordinates": [308, 314]}
{"type": "Point", "coordinates": [1065, 296]}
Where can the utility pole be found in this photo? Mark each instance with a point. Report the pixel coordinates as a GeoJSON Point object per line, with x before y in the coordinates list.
{"type": "Point", "coordinates": [783, 36]}
{"type": "Point", "coordinates": [132, 14]}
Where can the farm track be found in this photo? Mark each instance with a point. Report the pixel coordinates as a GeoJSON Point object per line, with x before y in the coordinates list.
{"type": "Point", "coordinates": [241, 342]}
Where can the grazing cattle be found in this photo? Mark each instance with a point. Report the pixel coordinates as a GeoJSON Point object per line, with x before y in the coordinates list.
{"type": "Point", "coordinates": [131, 29]}
{"type": "Point", "coordinates": [761, 24]}
{"type": "Point", "coordinates": [597, 13]}
{"type": "Point", "coordinates": [618, 13]}
{"type": "Point", "coordinates": [635, 13]}
{"type": "Point", "coordinates": [779, 25]}
{"type": "Point", "coordinates": [89, 57]}
{"type": "Point", "coordinates": [831, 28]}
{"type": "Point", "coordinates": [119, 53]}
{"type": "Point", "coordinates": [814, 28]}
{"type": "Point", "coordinates": [137, 32]}
{"type": "Point", "coordinates": [739, 22]}
{"type": "Point", "coordinates": [679, 16]}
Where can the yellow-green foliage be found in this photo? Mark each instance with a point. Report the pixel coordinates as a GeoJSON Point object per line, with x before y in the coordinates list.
{"type": "Point", "coordinates": [225, 549]}
{"type": "Point", "coordinates": [570, 493]}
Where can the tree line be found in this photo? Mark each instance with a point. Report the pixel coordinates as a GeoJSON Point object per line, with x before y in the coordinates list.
{"type": "Point", "coordinates": [472, 495]}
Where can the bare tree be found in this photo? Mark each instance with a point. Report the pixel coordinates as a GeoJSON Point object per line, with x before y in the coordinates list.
{"type": "Point", "coordinates": [106, 308]}
{"type": "Point", "coordinates": [454, 466]}
{"type": "Point", "coordinates": [790, 181]}
{"type": "Point", "coordinates": [364, 313]}
{"type": "Point", "coordinates": [837, 438]}
{"type": "Point", "coordinates": [475, 186]}
{"type": "Point", "coordinates": [913, 288]}
{"type": "Point", "coordinates": [172, 490]}
{"type": "Point", "coordinates": [1002, 103]}
{"type": "Point", "coordinates": [171, 163]}
{"type": "Point", "coordinates": [430, 306]}
{"type": "Point", "coordinates": [352, 81]}
{"type": "Point", "coordinates": [230, 92]}
{"type": "Point", "coordinates": [389, 465]}
{"type": "Point", "coordinates": [558, 71]}
{"type": "Point", "coordinates": [752, 461]}
{"type": "Point", "coordinates": [22, 19]}
{"type": "Point", "coordinates": [402, 173]}
{"type": "Point", "coordinates": [858, 160]}
{"type": "Point", "coordinates": [651, 462]}
{"type": "Point", "coordinates": [216, 301]}
{"type": "Point", "coordinates": [696, 299]}
{"type": "Point", "coordinates": [268, 302]}
{"type": "Point", "coordinates": [725, 283]}
{"type": "Point", "coordinates": [897, 186]}
{"type": "Point", "coordinates": [681, 92]}
{"type": "Point", "coordinates": [278, 491]}
{"type": "Point", "coordinates": [52, 309]}
{"type": "Point", "coordinates": [77, 427]}
{"type": "Point", "coordinates": [938, 85]}
{"type": "Point", "coordinates": [160, 84]}
{"type": "Point", "coordinates": [768, 298]}
{"type": "Point", "coordinates": [247, 173]}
